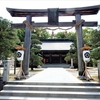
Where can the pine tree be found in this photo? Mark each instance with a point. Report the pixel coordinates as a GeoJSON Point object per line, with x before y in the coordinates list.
{"type": "Point", "coordinates": [35, 57]}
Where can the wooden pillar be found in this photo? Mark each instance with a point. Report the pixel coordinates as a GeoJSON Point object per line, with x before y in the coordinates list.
{"type": "Point", "coordinates": [27, 42]}
{"type": "Point", "coordinates": [79, 45]}
{"type": "Point", "coordinates": [60, 58]}
{"type": "Point", "coordinates": [50, 58]}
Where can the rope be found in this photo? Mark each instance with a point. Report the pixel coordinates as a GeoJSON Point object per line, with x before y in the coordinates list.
{"type": "Point", "coordinates": [28, 25]}
{"type": "Point", "coordinates": [76, 26]}
{"type": "Point", "coordinates": [58, 28]}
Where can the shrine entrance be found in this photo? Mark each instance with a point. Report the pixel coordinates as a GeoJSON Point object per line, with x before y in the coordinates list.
{"type": "Point", "coordinates": [54, 57]}
{"type": "Point", "coordinates": [53, 21]}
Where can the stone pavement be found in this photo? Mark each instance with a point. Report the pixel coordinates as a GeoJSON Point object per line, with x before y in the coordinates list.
{"type": "Point", "coordinates": [54, 75]}
{"type": "Point", "coordinates": [62, 75]}
{"type": "Point", "coordinates": [93, 71]}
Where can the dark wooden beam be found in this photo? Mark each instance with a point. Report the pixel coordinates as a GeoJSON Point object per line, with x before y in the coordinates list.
{"type": "Point", "coordinates": [27, 42]}
{"type": "Point", "coordinates": [80, 43]}
{"type": "Point", "coordinates": [89, 10]}
{"type": "Point", "coordinates": [61, 24]}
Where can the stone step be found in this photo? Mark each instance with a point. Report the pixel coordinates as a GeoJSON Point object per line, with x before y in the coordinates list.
{"type": "Point", "coordinates": [38, 98]}
{"type": "Point", "coordinates": [52, 88]}
{"type": "Point", "coordinates": [56, 94]}
{"type": "Point", "coordinates": [51, 83]}
{"type": "Point", "coordinates": [42, 90]}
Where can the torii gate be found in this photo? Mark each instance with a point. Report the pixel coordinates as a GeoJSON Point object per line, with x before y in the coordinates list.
{"type": "Point", "coordinates": [77, 12]}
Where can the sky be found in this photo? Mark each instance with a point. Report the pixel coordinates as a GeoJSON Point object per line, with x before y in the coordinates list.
{"type": "Point", "coordinates": [45, 4]}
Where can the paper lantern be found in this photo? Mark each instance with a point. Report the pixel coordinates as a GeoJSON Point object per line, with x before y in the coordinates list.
{"type": "Point", "coordinates": [86, 55]}
{"type": "Point", "coordinates": [20, 55]}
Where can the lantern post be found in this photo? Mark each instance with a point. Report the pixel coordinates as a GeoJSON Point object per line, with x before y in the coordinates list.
{"type": "Point", "coordinates": [86, 59]}
{"type": "Point", "coordinates": [20, 56]}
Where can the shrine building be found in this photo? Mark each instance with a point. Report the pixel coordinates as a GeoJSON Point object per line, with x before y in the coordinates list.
{"type": "Point", "coordinates": [54, 51]}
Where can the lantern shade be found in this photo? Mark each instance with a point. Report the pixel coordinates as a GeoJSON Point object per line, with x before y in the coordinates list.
{"type": "Point", "coordinates": [20, 48]}
{"type": "Point", "coordinates": [86, 47]}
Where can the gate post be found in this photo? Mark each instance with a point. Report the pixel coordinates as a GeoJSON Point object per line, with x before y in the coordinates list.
{"type": "Point", "coordinates": [79, 45]}
{"type": "Point", "coordinates": [27, 42]}
{"type": "Point", "coordinates": [98, 65]}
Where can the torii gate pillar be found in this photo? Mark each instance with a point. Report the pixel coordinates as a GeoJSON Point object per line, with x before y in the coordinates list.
{"type": "Point", "coordinates": [27, 42]}
{"type": "Point", "coordinates": [79, 45]}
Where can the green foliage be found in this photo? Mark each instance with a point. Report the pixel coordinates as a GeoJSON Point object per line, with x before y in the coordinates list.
{"type": "Point", "coordinates": [95, 38]}
{"type": "Point", "coordinates": [95, 53]}
{"type": "Point", "coordinates": [42, 33]}
{"type": "Point", "coordinates": [8, 38]}
{"type": "Point", "coordinates": [20, 34]}
{"type": "Point", "coordinates": [72, 36]}
{"type": "Point", "coordinates": [68, 57]}
{"type": "Point", "coordinates": [60, 35]}
{"type": "Point", "coordinates": [87, 35]}
{"type": "Point", "coordinates": [35, 60]}
{"type": "Point", "coordinates": [35, 57]}
{"type": "Point", "coordinates": [73, 48]}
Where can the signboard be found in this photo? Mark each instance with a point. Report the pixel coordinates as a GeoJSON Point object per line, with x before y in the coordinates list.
{"type": "Point", "coordinates": [53, 14]}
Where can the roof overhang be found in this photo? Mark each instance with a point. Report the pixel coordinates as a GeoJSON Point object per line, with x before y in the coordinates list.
{"type": "Point", "coordinates": [55, 45]}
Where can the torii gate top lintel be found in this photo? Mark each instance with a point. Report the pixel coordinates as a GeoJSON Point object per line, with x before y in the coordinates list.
{"type": "Point", "coordinates": [90, 10]}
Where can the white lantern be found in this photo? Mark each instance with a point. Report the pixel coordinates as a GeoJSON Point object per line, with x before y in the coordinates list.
{"type": "Point", "coordinates": [86, 55]}
{"type": "Point", "coordinates": [20, 55]}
